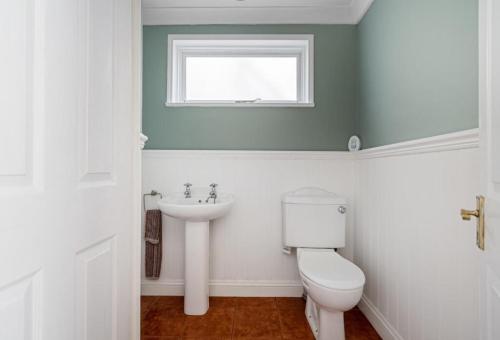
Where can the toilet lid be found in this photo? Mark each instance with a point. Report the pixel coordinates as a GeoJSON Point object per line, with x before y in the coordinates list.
{"type": "Point", "coordinates": [329, 269]}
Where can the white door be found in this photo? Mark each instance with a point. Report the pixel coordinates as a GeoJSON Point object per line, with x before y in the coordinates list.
{"type": "Point", "coordinates": [65, 169]}
{"type": "Point", "coordinates": [489, 83]}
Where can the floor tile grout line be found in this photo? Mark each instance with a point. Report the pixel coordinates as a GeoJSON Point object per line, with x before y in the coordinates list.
{"type": "Point", "coordinates": [234, 320]}
{"type": "Point", "coordinates": [275, 303]}
{"type": "Point", "coordinates": [279, 316]}
{"type": "Point", "coordinates": [280, 320]}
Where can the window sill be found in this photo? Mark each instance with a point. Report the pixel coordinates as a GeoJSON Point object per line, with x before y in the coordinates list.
{"type": "Point", "coordinates": [240, 105]}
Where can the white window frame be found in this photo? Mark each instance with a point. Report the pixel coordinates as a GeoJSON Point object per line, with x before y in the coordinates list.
{"type": "Point", "coordinates": [181, 46]}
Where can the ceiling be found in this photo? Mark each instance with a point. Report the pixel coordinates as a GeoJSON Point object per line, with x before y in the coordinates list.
{"type": "Point", "coordinates": [197, 12]}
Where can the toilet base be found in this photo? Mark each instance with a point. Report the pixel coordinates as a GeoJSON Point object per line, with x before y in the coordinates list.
{"type": "Point", "coordinates": [312, 316]}
{"type": "Point", "coordinates": [325, 325]}
{"type": "Point", "coordinates": [331, 325]}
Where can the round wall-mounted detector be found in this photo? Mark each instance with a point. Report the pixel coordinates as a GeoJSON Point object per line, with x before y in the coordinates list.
{"type": "Point", "coordinates": [354, 143]}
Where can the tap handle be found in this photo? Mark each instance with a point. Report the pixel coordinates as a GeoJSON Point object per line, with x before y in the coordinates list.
{"type": "Point", "coordinates": [187, 185]}
{"type": "Point", "coordinates": [213, 186]}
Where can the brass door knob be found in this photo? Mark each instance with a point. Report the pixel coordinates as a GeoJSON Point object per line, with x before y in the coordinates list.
{"type": "Point", "coordinates": [479, 214]}
{"type": "Point", "coordinates": [467, 214]}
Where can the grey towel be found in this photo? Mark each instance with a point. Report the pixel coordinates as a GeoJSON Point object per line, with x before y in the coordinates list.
{"type": "Point", "coordinates": [153, 239]}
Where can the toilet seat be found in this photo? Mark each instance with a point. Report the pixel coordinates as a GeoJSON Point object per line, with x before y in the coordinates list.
{"type": "Point", "coordinates": [330, 270]}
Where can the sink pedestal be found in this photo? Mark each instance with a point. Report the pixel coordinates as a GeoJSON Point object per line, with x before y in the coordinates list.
{"type": "Point", "coordinates": [196, 268]}
{"type": "Point", "coordinates": [197, 213]}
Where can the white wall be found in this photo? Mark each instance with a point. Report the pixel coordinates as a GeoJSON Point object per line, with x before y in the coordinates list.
{"type": "Point", "coordinates": [246, 257]}
{"type": "Point", "coordinates": [419, 257]}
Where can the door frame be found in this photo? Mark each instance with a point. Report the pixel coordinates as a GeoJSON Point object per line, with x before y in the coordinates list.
{"type": "Point", "coordinates": [488, 32]}
{"type": "Point", "coordinates": [136, 103]}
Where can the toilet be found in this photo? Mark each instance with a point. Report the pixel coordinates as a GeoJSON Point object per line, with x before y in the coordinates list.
{"type": "Point", "coordinates": [314, 222]}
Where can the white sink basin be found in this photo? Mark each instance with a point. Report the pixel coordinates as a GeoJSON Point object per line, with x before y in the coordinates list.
{"type": "Point", "coordinates": [195, 209]}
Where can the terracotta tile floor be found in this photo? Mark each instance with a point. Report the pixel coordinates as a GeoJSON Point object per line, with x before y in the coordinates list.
{"type": "Point", "coordinates": [239, 318]}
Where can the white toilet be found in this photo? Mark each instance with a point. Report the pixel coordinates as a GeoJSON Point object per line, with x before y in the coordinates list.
{"type": "Point", "coordinates": [314, 222]}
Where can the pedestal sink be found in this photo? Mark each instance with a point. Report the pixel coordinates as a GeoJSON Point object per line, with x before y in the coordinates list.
{"type": "Point", "coordinates": [197, 214]}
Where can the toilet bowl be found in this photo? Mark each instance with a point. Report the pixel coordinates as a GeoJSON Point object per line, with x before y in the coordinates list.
{"type": "Point", "coordinates": [314, 222]}
{"type": "Point", "coordinates": [333, 285]}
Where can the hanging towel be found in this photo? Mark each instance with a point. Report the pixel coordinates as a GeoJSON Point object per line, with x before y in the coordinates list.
{"type": "Point", "coordinates": [152, 236]}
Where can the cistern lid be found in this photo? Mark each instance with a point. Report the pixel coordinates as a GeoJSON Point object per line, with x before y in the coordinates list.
{"type": "Point", "coordinates": [312, 196]}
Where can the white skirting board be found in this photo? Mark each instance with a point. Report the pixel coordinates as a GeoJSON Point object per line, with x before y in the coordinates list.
{"type": "Point", "coordinates": [227, 288]}
{"type": "Point", "coordinates": [378, 321]}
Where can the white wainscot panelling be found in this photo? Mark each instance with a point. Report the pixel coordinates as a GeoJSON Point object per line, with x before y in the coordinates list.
{"type": "Point", "coordinates": [96, 95]}
{"type": "Point", "coordinates": [419, 257]}
{"type": "Point", "coordinates": [245, 246]}
{"type": "Point", "coordinates": [20, 309]}
{"type": "Point", "coordinates": [96, 292]}
{"type": "Point", "coordinates": [20, 107]}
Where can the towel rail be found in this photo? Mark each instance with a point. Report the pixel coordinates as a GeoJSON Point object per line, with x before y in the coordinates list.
{"type": "Point", "coordinates": [152, 193]}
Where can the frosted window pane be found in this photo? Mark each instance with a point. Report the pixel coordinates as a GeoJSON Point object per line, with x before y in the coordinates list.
{"type": "Point", "coordinates": [241, 78]}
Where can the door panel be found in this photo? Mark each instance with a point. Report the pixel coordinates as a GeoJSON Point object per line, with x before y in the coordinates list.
{"type": "Point", "coordinates": [20, 315]}
{"type": "Point", "coordinates": [96, 292]}
{"type": "Point", "coordinates": [96, 36]}
{"type": "Point", "coordinates": [21, 37]}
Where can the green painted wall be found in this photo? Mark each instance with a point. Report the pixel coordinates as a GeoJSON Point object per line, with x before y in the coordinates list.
{"type": "Point", "coordinates": [325, 127]}
{"type": "Point", "coordinates": [418, 69]}
{"type": "Point", "coordinates": [408, 70]}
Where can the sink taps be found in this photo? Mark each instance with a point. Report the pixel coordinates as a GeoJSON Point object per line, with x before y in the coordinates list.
{"type": "Point", "coordinates": [213, 193]}
{"type": "Point", "coordinates": [187, 192]}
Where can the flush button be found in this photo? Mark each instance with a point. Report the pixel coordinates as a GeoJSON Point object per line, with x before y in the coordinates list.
{"type": "Point", "coordinates": [342, 209]}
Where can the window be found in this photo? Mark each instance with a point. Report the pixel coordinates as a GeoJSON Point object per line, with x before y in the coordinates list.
{"type": "Point", "coordinates": [240, 70]}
